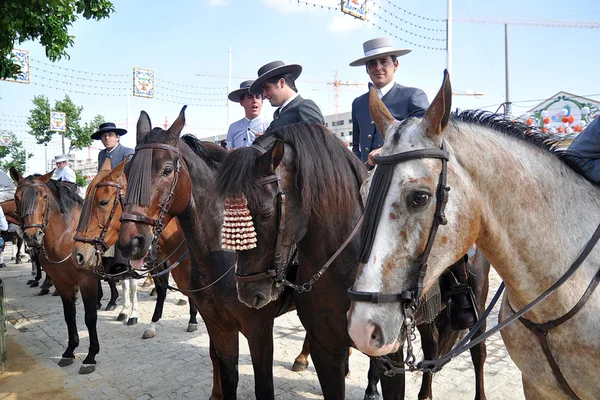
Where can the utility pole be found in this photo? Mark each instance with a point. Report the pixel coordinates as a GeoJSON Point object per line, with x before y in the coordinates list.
{"type": "Point", "coordinates": [229, 90]}
{"type": "Point", "coordinates": [508, 108]}
{"type": "Point", "coordinates": [449, 37]}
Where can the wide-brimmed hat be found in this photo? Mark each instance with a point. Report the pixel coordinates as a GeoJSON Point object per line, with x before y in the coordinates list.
{"type": "Point", "coordinates": [236, 95]}
{"type": "Point", "coordinates": [60, 158]}
{"type": "Point", "coordinates": [108, 127]}
{"type": "Point", "coordinates": [379, 47]}
{"type": "Point", "coordinates": [272, 69]}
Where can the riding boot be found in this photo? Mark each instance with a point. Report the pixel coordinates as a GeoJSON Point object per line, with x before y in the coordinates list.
{"type": "Point", "coordinates": [460, 300]}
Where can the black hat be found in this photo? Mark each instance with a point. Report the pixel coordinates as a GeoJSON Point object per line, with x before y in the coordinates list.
{"type": "Point", "coordinates": [236, 95]}
{"type": "Point", "coordinates": [108, 127]}
{"type": "Point", "coordinates": [272, 69]}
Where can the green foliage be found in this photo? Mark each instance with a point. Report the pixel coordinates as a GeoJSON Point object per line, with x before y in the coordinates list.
{"type": "Point", "coordinates": [39, 122]}
{"type": "Point", "coordinates": [46, 21]}
{"type": "Point", "coordinates": [13, 156]}
{"type": "Point", "coordinates": [80, 178]}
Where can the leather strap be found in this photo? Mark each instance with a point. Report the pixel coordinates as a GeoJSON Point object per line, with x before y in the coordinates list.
{"type": "Point", "coordinates": [137, 218]}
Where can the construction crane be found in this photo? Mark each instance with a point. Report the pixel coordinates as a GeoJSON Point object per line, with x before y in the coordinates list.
{"type": "Point", "coordinates": [336, 87]}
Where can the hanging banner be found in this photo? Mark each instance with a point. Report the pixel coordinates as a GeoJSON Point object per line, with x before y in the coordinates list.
{"type": "Point", "coordinates": [58, 121]}
{"type": "Point", "coordinates": [20, 57]}
{"type": "Point", "coordinates": [5, 137]}
{"type": "Point", "coordinates": [143, 82]}
{"type": "Point", "coordinates": [356, 8]}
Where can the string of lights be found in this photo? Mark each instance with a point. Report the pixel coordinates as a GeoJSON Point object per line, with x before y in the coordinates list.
{"type": "Point", "coordinates": [209, 100]}
{"type": "Point", "coordinates": [191, 86]}
{"type": "Point", "coordinates": [78, 71]}
{"type": "Point", "coordinates": [189, 104]}
{"type": "Point", "coordinates": [413, 14]}
{"type": "Point", "coordinates": [407, 31]}
{"type": "Point", "coordinates": [77, 77]}
{"type": "Point", "coordinates": [223, 92]}
{"type": "Point", "coordinates": [308, 3]}
{"type": "Point", "coordinates": [404, 39]}
{"type": "Point", "coordinates": [381, 9]}
{"type": "Point", "coordinates": [77, 91]}
{"type": "Point", "coordinates": [77, 84]}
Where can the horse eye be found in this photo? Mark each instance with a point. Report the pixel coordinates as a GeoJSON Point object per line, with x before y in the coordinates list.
{"type": "Point", "coordinates": [103, 202]}
{"type": "Point", "coordinates": [267, 215]}
{"type": "Point", "coordinates": [167, 171]}
{"type": "Point", "coordinates": [419, 199]}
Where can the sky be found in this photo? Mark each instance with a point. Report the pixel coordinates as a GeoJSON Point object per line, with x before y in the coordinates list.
{"type": "Point", "coordinates": [187, 44]}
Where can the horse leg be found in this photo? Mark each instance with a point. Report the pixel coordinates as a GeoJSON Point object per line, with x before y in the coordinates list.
{"type": "Point", "coordinates": [67, 295]}
{"type": "Point", "coordinates": [150, 331]}
{"type": "Point", "coordinates": [392, 387]}
{"type": "Point", "coordinates": [99, 296]}
{"type": "Point", "coordinates": [19, 244]}
{"type": "Point", "coordinates": [260, 341]}
{"type": "Point", "coordinates": [133, 317]}
{"type": "Point", "coordinates": [301, 362]}
{"type": "Point", "coordinates": [371, 392]}
{"type": "Point", "coordinates": [429, 344]}
{"type": "Point", "coordinates": [479, 280]}
{"type": "Point", "coordinates": [226, 346]}
{"type": "Point", "coordinates": [89, 295]}
{"type": "Point", "coordinates": [193, 323]}
{"type": "Point", "coordinates": [217, 390]}
{"type": "Point", "coordinates": [126, 309]}
{"type": "Point", "coordinates": [45, 289]}
{"type": "Point", "coordinates": [330, 364]}
{"type": "Point", "coordinates": [114, 295]}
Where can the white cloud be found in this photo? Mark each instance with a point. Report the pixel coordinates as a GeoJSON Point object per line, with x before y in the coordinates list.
{"type": "Point", "coordinates": [344, 23]}
{"type": "Point", "coordinates": [217, 3]}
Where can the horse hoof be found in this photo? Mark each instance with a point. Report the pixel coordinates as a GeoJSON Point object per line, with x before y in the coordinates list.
{"type": "Point", "coordinates": [29, 282]}
{"type": "Point", "coordinates": [153, 292]}
{"type": "Point", "coordinates": [132, 321]}
{"type": "Point", "coordinates": [44, 292]}
{"type": "Point", "coordinates": [64, 362]}
{"type": "Point", "coordinates": [34, 284]}
{"type": "Point", "coordinates": [98, 306]}
{"type": "Point", "coordinates": [148, 334]}
{"type": "Point", "coordinates": [87, 369]}
{"type": "Point", "coordinates": [192, 327]}
{"type": "Point", "coordinates": [18, 261]}
{"type": "Point", "coordinates": [122, 317]}
{"type": "Point", "coordinates": [299, 366]}
{"type": "Point", "coordinates": [110, 307]}
{"type": "Point", "coordinates": [181, 302]}
{"type": "Point", "coordinates": [373, 396]}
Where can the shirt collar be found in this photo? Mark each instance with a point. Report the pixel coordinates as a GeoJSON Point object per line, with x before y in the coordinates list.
{"type": "Point", "coordinates": [113, 149]}
{"type": "Point", "coordinates": [384, 90]}
{"type": "Point", "coordinates": [288, 101]}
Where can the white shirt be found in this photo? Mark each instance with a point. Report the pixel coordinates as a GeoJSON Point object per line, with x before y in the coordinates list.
{"type": "Point", "coordinates": [66, 174]}
{"type": "Point", "coordinates": [384, 90]}
{"type": "Point", "coordinates": [243, 132]}
{"type": "Point", "coordinates": [3, 222]}
{"type": "Point", "coordinates": [288, 101]}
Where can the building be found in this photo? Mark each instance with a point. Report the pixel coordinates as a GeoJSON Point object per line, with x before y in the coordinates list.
{"type": "Point", "coordinates": [341, 126]}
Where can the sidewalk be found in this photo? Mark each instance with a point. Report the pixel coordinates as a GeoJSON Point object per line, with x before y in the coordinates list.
{"type": "Point", "coordinates": [176, 365]}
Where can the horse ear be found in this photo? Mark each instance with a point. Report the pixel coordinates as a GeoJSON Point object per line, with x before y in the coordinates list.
{"type": "Point", "coordinates": [15, 175]}
{"type": "Point", "coordinates": [116, 173]}
{"type": "Point", "coordinates": [269, 161]}
{"type": "Point", "coordinates": [106, 165]}
{"type": "Point", "coordinates": [179, 123]}
{"type": "Point", "coordinates": [379, 112]}
{"type": "Point", "coordinates": [438, 114]}
{"type": "Point", "coordinates": [46, 178]}
{"type": "Point", "coordinates": [143, 127]}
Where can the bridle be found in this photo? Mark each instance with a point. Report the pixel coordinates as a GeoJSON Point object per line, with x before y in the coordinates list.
{"type": "Point", "coordinates": [156, 224]}
{"type": "Point", "coordinates": [280, 265]}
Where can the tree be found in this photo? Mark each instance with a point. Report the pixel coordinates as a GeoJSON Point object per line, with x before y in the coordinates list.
{"type": "Point", "coordinates": [46, 21]}
{"type": "Point", "coordinates": [80, 178]}
{"type": "Point", "coordinates": [39, 122]}
{"type": "Point", "coordinates": [13, 155]}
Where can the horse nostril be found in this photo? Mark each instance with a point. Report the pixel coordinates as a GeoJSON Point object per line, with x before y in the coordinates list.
{"type": "Point", "coordinates": [258, 300]}
{"type": "Point", "coordinates": [79, 258]}
{"type": "Point", "coordinates": [376, 339]}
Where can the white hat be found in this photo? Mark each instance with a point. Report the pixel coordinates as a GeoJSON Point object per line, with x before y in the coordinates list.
{"type": "Point", "coordinates": [376, 48]}
{"type": "Point", "coordinates": [60, 158]}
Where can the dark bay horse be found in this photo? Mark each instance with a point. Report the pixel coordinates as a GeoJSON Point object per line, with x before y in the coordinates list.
{"type": "Point", "coordinates": [172, 177]}
{"type": "Point", "coordinates": [302, 187]}
{"type": "Point", "coordinates": [98, 229]}
{"type": "Point", "coordinates": [49, 213]}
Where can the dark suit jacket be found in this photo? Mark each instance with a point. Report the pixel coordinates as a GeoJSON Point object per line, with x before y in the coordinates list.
{"type": "Point", "coordinates": [585, 151]}
{"type": "Point", "coordinates": [299, 110]}
{"type": "Point", "coordinates": [400, 100]}
{"type": "Point", "coordinates": [116, 156]}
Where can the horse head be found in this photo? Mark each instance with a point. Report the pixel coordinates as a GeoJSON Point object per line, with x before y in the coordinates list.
{"type": "Point", "coordinates": [99, 223]}
{"type": "Point", "coordinates": [159, 187]}
{"type": "Point", "coordinates": [32, 199]}
{"type": "Point", "coordinates": [407, 197]}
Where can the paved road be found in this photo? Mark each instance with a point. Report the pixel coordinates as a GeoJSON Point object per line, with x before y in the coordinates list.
{"type": "Point", "coordinates": [176, 364]}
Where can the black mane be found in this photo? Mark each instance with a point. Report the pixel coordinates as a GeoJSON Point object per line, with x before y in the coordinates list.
{"type": "Point", "coordinates": [196, 145]}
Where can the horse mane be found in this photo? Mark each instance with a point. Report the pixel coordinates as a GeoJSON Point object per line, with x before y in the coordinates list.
{"type": "Point", "coordinates": [67, 197]}
{"type": "Point", "coordinates": [328, 175]}
{"type": "Point", "coordinates": [200, 148]}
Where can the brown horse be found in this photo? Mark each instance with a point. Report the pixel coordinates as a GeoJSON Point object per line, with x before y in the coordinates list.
{"type": "Point", "coordinates": [49, 213]}
{"type": "Point", "coordinates": [160, 177]}
{"type": "Point", "coordinates": [302, 187]}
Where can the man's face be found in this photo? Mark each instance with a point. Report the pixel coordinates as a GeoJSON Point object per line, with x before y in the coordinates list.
{"type": "Point", "coordinates": [381, 70]}
{"type": "Point", "coordinates": [274, 92]}
{"type": "Point", "coordinates": [109, 140]}
{"type": "Point", "coordinates": [61, 164]}
{"type": "Point", "coordinates": [252, 104]}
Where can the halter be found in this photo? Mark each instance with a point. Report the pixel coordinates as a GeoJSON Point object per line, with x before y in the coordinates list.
{"type": "Point", "coordinates": [156, 224]}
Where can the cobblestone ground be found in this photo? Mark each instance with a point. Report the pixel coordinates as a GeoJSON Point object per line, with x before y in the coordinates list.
{"type": "Point", "coordinates": [176, 365]}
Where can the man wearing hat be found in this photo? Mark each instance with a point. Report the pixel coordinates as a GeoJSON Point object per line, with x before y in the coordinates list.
{"type": "Point", "coordinates": [380, 60]}
{"type": "Point", "coordinates": [277, 83]}
{"type": "Point", "coordinates": [243, 132]}
{"type": "Point", "coordinates": [110, 135]}
{"type": "Point", "coordinates": [65, 173]}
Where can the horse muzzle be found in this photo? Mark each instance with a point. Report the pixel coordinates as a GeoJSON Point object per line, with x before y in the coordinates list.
{"type": "Point", "coordinates": [34, 239]}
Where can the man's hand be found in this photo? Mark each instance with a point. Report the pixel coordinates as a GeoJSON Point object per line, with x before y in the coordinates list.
{"type": "Point", "coordinates": [370, 161]}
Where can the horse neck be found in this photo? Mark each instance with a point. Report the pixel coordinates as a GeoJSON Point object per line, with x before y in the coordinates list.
{"type": "Point", "coordinates": [58, 235]}
{"type": "Point", "coordinates": [536, 215]}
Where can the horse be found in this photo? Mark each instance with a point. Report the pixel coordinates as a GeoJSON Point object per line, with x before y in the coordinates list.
{"type": "Point", "coordinates": [98, 230]}
{"type": "Point", "coordinates": [49, 214]}
{"type": "Point", "coordinates": [506, 180]}
{"type": "Point", "coordinates": [9, 208]}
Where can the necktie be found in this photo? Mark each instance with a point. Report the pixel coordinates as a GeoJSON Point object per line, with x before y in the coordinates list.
{"type": "Point", "coordinates": [276, 113]}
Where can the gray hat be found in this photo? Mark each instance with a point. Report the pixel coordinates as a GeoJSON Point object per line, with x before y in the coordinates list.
{"type": "Point", "coordinates": [376, 48]}
{"type": "Point", "coordinates": [60, 158]}
{"type": "Point", "coordinates": [236, 95]}
{"type": "Point", "coordinates": [272, 69]}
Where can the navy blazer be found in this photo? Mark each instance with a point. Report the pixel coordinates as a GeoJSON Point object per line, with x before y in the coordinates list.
{"type": "Point", "coordinates": [585, 151]}
{"type": "Point", "coordinates": [299, 110]}
{"type": "Point", "coordinates": [400, 101]}
{"type": "Point", "coordinates": [116, 156]}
